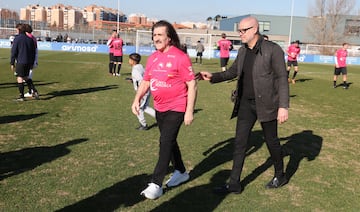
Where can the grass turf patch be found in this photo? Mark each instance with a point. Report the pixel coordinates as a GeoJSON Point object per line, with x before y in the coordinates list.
{"type": "Point", "coordinates": [77, 147]}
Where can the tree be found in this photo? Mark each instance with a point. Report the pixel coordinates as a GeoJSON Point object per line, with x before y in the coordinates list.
{"type": "Point", "coordinates": [326, 17]}
{"type": "Point", "coordinates": [217, 19]}
{"type": "Point", "coordinates": [209, 21]}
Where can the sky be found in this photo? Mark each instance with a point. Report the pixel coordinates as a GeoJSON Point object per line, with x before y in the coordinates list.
{"type": "Point", "coordinates": [184, 10]}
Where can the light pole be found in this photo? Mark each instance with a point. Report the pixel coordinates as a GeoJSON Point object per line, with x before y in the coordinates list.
{"type": "Point", "coordinates": [291, 20]}
{"type": "Point", "coordinates": [118, 9]}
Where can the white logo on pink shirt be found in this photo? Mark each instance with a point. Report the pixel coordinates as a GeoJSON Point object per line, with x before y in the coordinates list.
{"type": "Point", "coordinates": [160, 66]}
{"type": "Point", "coordinates": [155, 84]}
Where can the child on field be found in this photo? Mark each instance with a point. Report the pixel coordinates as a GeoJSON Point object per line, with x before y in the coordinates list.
{"type": "Point", "coordinates": [137, 73]}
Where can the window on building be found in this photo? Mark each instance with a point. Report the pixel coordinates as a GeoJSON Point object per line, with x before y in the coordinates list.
{"type": "Point", "coordinates": [264, 26]}
{"type": "Point", "coordinates": [352, 27]}
{"type": "Point", "coordinates": [236, 27]}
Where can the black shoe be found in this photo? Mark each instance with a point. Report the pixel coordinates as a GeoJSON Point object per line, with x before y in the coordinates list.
{"type": "Point", "coordinates": [36, 95]}
{"type": "Point", "coordinates": [227, 189]}
{"type": "Point", "coordinates": [142, 127]}
{"type": "Point", "coordinates": [346, 87]}
{"type": "Point", "coordinates": [277, 182]}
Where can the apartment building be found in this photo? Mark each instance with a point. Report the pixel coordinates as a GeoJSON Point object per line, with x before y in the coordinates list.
{"type": "Point", "coordinates": [138, 19]}
{"type": "Point", "coordinates": [68, 17]}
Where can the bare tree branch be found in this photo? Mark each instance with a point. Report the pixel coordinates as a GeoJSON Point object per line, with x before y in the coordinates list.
{"type": "Point", "coordinates": [326, 18]}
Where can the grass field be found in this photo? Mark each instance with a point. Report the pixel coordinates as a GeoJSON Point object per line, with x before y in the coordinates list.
{"type": "Point", "coordinates": [77, 149]}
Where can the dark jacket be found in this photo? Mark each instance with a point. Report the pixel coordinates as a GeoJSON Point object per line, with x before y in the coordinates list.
{"type": "Point", "coordinates": [23, 50]}
{"type": "Point", "coordinates": [271, 85]}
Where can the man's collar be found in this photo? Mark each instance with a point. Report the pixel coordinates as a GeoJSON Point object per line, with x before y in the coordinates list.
{"type": "Point", "coordinates": [257, 46]}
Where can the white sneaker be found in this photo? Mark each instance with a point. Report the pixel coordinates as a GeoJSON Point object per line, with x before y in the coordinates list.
{"type": "Point", "coordinates": [177, 178]}
{"type": "Point", "coordinates": [153, 191]}
{"type": "Point", "coordinates": [28, 95]}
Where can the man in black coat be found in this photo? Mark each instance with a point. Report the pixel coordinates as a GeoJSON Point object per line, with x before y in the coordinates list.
{"type": "Point", "coordinates": [262, 94]}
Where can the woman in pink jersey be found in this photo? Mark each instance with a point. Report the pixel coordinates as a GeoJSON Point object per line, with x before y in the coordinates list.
{"type": "Point", "coordinates": [117, 45]}
{"type": "Point", "coordinates": [171, 80]}
{"type": "Point", "coordinates": [28, 31]}
{"type": "Point", "coordinates": [225, 46]}
{"type": "Point", "coordinates": [293, 51]}
{"type": "Point", "coordinates": [340, 65]}
{"type": "Point", "coordinates": [111, 52]}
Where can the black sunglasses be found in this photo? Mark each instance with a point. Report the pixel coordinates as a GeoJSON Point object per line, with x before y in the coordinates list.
{"type": "Point", "coordinates": [243, 31]}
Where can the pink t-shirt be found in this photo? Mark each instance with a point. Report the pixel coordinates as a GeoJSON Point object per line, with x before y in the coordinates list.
{"type": "Point", "coordinates": [293, 52]}
{"type": "Point", "coordinates": [225, 46]}
{"type": "Point", "coordinates": [341, 55]}
{"type": "Point", "coordinates": [168, 73]}
{"type": "Point", "coordinates": [117, 47]}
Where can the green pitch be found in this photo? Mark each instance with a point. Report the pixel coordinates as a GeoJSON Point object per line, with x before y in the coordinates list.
{"type": "Point", "coordinates": [77, 147]}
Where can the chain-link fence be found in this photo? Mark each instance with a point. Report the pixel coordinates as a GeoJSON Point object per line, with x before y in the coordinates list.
{"type": "Point", "coordinates": [143, 38]}
{"type": "Point", "coordinates": [353, 51]}
{"type": "Point", "coordinates": [79, 36]}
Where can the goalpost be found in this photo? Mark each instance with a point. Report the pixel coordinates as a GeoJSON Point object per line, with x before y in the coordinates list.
{"type": "Point", "coordinates": [144, 43]}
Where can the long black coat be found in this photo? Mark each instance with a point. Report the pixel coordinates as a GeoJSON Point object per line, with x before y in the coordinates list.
{"type": "Point", "coordinates": [270, 81]}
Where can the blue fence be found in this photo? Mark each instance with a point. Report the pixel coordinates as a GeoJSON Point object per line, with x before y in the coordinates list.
{"type": "Point", "coordinates": [147, 50]}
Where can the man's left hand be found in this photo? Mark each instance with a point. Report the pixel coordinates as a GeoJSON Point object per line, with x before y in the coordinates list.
{"type": "Point", "coordinates": [283, 115]}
